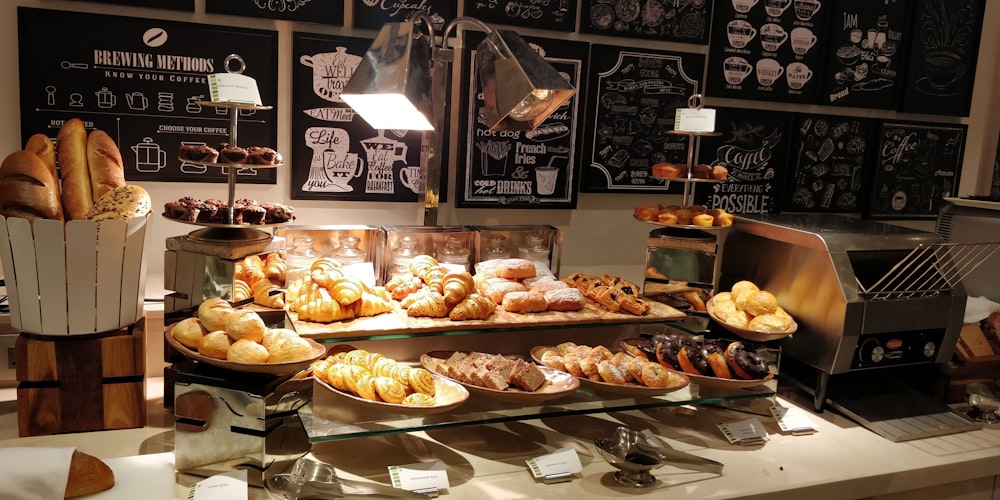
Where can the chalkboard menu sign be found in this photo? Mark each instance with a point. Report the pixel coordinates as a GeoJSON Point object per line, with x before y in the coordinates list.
{"type": "Point", "coordinates": [552, 15]}
{"type": "Point", "coordinates": [943, 56]}
{"type": "Point", "coordinates": [669, 20]}
{"type": "Point", "coordinates": [865, 53]}
{"type": "Point", "coordinates": [917, 165]}
{"type": "Point", "coordinates": [830, 164]}
{"type": "Point", "coordinates": [372, 14]}
{"type": "Point", "coordinates": [142, 81]}
{"type": "Point", "coordinates": [632, 99]}
{"type": "Point", "coordinates": [336, 155]}
{"type": "Point", "coordinates": [306, 11]}
{"type": "Point", "coordinates": [770, 50]}
{"type": "Point", "coordinates": [519, 169]}
{"type": "Point", "coordinates": [752, 145]}
{"type": "Point", "coordinates": [159, 4]}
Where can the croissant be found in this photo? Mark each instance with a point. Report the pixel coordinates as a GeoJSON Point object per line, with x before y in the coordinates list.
{"type": "Point", "coordinates": [409, 285]}
{"type": "Point", "coordinates": [455, 287]}
{"type": "Point", "coordinates": [421, 263]}
{"type": "Point", "coordinates": [324, 270]}
{"type": "Point", "coordinates": [295, 289]}
{"type": "Point", "coordinates": [377, 291]}
{"type": "Point", "coordinates": [250, 269]}
{"type": "Point", "coordinates": [262, 295]}
{"type": "Point", "coordinates": [474, 306]}
{"type": "Point", "coordinates": [241, 291]}
{"type": "Point", "coordinates": [346, 290]}
{"type": "Point", "coordinates": [408, 301]}
{"type": "Point", "coordinates": [275, 268]}
{"type": "Point", "coordinates": [371, 305]}
{"type": "Point", "coordinates": [430, 305]}
{"type": "Point", "coordinates": [434, 277]}
{"type": "Point", "coordinates": [321, 308]}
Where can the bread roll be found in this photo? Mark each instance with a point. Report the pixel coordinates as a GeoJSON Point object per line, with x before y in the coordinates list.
{"type": "Point", "coordinates": [213, 313]}
{"type": "Point", "coordinates": [290, 348]}
{"type": "Point", "coordinates": [246, 324]}
{"type": "Point", "coordinates": [87, 475]}
{"type": "Point", "coordinates": [71, 151]}
{"type": "Point", "coordinates": [104, 162]}
{"type": "Point", "coordinates": [28, 189]}
{"type": "Point", "coordinates": [121, 203]}
{"type": "Point", "coordinates": [762, 302]}
{"type": "Point", "coordinates": [246, 351]}
{"type": "Point", "coordinates": [188, 332]}
{"type": "Point", "coordinates": [45, 149]}
{"type": "Point", "coordinates": [215, 345]}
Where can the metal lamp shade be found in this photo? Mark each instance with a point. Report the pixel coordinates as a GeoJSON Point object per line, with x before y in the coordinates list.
{"type": "Point", "coordinates": [520, 89]}
{"type": "Point", "coordinates": [391, 88]}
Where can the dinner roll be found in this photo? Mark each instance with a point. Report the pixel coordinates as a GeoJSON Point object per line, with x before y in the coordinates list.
{"type": "Point", "coordinates": [214, 345]}
{"type": "Point", "coordinates": [246, 351]}
{"type": "Point", "coordinates": [213, 313]}
{"type": "Point", "coordinates": [762, 302]}
{"type": "Point", "coordinates": [245, 324]}
{"type": "Point", "coordinates": [188, 332]}
{"type": "Point", "coordinates": [272, 335]}
{"type": "Point", "coordinates": [288, 349]}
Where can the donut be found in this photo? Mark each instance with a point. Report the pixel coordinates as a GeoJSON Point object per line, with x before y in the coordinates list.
{"type": "Point", "coordinates": [667, 353]}
{"type": "Point", "coordinates": [717, 361]}
{"type": "Point", "coordinates": [747, 365]}
{"type": "Point", "coordinates": [694, 360]}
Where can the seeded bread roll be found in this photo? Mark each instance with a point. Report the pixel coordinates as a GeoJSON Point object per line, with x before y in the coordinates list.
{"type": "Point", "coordinates": [104, 162]}
{"type": "Point", "coordinates": [28, 189]}
{"type": "Point", "coordinates": [121, 203]}
{"type": "Point", "coordinates": [71, 151]}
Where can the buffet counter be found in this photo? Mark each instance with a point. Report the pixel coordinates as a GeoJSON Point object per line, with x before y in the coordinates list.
{"type": "Point", "coordinates": [841, 460]}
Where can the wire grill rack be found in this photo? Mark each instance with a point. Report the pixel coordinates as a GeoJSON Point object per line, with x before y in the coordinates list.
{"type": "Point", "coordinates": [929, 270]}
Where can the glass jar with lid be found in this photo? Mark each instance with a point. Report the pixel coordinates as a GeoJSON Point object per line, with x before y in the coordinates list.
{"type": "Point", "coordinates": [536, 248]}
{"type": "Point", "coordinates": [496, 248]}
{"type": "Point", "coordinates": [300, 258]}
{"type": "Point", "coordinates": [407, 248]}
{"type": "Point", "coordinates": [348, 253]}
{"type": "Point", "coordinates": [454, 253]}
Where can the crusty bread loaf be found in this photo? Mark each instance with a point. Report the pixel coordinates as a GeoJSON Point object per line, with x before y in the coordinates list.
{"type": "Point", "coordinates": [45, 149]}
{"type": "Point", "coordinates": [88, 475]}
{"type": "Point", "coordinates": [28, 189]}
{"type": "Point", "coordinates": [104, 162]}
{"type": "Point", "coordinates": [122, 203]}
{"type": "Point", "coordinates": [71, 151]}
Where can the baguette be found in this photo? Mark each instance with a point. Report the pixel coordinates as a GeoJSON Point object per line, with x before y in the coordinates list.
{"type": "Point", "coordinates": [104, 162]}
{"type": "Point", "coordinates": [28, 189]}
{"type": "Point", "coordinates": [41, 145]}
{"type": "Point", "coordinates": [88, 475]}
{"type": "Point", "coordinates": [71, 151]}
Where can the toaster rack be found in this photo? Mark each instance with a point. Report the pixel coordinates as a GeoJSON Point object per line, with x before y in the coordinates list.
{"type": "Point", "coordinates": [929, 270]}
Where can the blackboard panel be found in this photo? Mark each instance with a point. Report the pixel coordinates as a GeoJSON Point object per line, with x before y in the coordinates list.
{"type": "Point", "coordinates": [632, 98]}
{"type": "Point", "coordinates": [552, 15]}
{"type": "Point", "coordinates": [769, 51]}
{"type": "Point", "coordinates": [306, 11]}
{"type": "Point", "coordinates": [829, 164]}
{"type": "Point", "coordinates": [140, 80]}
{"type": "Point", "coordinates": [372, 14]}
{"type": "Point", "coordinates": [336, 155]}
{"type": "Point", "coordinates": [518, 169]}
{"type": "Point", "coordinates": [158, 4]}
{"type": "Point", "coordinates": [865, 53]}
{"type": "Point", "coordinates": [943, 56]}
{"type": "Point", "coordinates": [752, 146]}
{"type": "Point", "coordinates": [669, 20]}
{"type": "Point", "coordinates": [917, 164]}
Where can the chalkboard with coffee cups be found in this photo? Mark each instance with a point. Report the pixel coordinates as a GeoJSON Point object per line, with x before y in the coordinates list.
{"type": "Point", "coordinates": [667, 20]}
{"type": "Point", "coordinates": [829, 165]}
{"type": "Point", "coordinates": [143, 81]}
{"type": "Point", "coordinates": [329, 12]}
{"type": "Point", "coordinates": [372, 14]}
{"type": "Point", "coordinates": [916, 166]}
{"type": "Point", "coordinates": [865, 53]}
{"type": "Point", "coordinates": [752, 144]}
{"type": "Point", "coordinates": [632, 99]}
{"type": "Point", "coordinates": [943, 54]}
{"type": "Point", "coordinates": [521, 168]}
{"type": "Point", "coordinates": [769, 50]}
{"type": "Point", "coordinates": [336, 154]}
{"type": "Point", "coordinates": [552, 15]}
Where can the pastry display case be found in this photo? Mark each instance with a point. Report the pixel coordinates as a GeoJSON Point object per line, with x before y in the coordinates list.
{"type": "Point", "coordinates": [541, 243]}
{"type": "Point", "coordinates": [450, 245]}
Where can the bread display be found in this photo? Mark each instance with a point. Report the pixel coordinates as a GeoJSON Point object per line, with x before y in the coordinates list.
{"type": "Point", "coordinates": [87, 475]}
{"type": "Point", "coordinates": [243, 337]}
{"type": "Point", "coordinates": [28, 189]}
{"type": "Point", "coordinates": [600, 364]}
{"type": "Point", "coordinates": [375, 377]}
{"type": "Point", "coordinates": [492, 371]}
{"type": "Point", "coordinates": [693, 215]}
{"type": "Point", "coordinates": [746, 306]}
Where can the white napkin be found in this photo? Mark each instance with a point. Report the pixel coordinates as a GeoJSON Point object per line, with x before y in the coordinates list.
{"type": "Point", "coordinates": [34, 473]}
{"type": "Point", "coordinates": [978, 309]}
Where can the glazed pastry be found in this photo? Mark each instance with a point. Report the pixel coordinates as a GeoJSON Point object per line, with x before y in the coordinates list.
{"type": "Point", "coordinates": [606, 297]}
{"type": "Point", "coordinates": [246, 351]}
{"type": "Point", "coordinates": [633, 305]}
{"type": "Point", "coordinates": [716, 361]}
{"type": "Point", "coordinates": [474, 306]}
{"type": "Point", "coordinates": [430, 305]}
{"type": "Point", "coordinates": [745, 364]}
{"type": "Point", "coordinates": [515, 269]}
{"type": "Point", "coordinates": [524, 302]}
{"type": "Point", "coordinates": [245, 324]}
{"type": "Point", "coordinates": [694, 360]}
{"type": "Point", "coordinates": [564, 299]}
{"type": "Point", "coordinates": [455, 287]}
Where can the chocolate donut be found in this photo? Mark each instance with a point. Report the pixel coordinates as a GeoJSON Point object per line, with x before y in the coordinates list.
{"type": "Point", "coordinates": [694, 360]}
{"type": "Point", "coordinates": [716, 360]}
{"type": "Point", "coordinates": [746, 364]}
{"type": "Point", "coordinates": [668, 350]}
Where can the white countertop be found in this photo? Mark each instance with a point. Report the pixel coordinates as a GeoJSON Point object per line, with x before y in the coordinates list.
{"type": "Point", "coordinates": [842, 460]}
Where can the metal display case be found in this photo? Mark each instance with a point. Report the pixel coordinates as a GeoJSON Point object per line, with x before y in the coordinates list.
{"type": "Point", "coordinates": [542, 243]}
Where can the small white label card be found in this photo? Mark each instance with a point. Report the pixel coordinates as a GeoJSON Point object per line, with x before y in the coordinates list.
{"type": "Point", "coordinates": [793, 420]}
{"type": "Point", "coordinates": [220, 487]}
{"type": "Point", "coordinates": [745, 432]}
{"type": "Point", "coordinates": [419, 476]}
{"type": "Point", "coordinates": [233, 87]}
{"type": "Point", "coordinates": [695, 120]}
{"type": "Point", "coordinates": [561, 461]}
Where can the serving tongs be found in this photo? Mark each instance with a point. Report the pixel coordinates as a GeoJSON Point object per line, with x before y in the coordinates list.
{"type": "Point", "coordinates": [637, 453]}
{"type": "Point", "coordinates": [346, 489]}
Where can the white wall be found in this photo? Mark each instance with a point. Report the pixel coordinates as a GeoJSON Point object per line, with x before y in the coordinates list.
{"type": "Point", "coordinates": [600, 235]}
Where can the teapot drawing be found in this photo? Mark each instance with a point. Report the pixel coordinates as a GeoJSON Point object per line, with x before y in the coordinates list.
{"type": "Point", "coordinates": [137, 101]}
{"type": "Point", "coordinates": [148, 156]}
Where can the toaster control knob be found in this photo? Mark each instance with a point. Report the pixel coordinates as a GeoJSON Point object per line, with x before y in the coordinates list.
{"type": "Point", "coordinates": [877, 354]}
{"type": "Point", "coordinates": [930, 349]}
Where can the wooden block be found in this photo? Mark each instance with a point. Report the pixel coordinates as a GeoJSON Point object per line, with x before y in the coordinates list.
{"type": "Point", "coordinates": [124, 405]}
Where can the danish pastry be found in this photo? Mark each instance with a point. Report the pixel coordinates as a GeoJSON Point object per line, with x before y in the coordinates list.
{"type": "Point", "coordinates": [524, 302]}
{"type": "Point", "coordinates": [390, 390]}
{"type": "Point", "coordinates": [418, 399]}
{"type": "Point", "coordinates": [421, 381]}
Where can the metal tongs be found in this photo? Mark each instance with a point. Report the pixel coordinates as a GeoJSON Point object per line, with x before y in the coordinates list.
{"type": "Point", "coordinates": [313, 479]}
{"type": "Point", "coordinates": [984, 403]}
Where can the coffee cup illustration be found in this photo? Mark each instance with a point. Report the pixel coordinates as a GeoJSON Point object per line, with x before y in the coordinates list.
{"type": "Point", "coordinates": [412, 178]}
{"type": "Point", "coordinates": [797, 74]}
{"type": "Point", "coordinates": [772, 36]}
{"type": "Point", "coordinates": [743, 6]}
{"type": "Point", "coordinates": [545, 179]}
{"type": "Point", "coordinates": [736, 69]}
{"type": "Point", "coordinates": [803, 39]}
{"type": "Point", "coordinates": [768, 70]}
{"type": "Point", "coordinates": [943, 68]}
{"type": "Point", "coordinates": [331, 72]}
{"type": "Point", "coordinates": [806, 9]}
{"type": "Point", "coordinates": [340, 168]}
{"type": "Point", "coordinates": [740, 33]}
{"type": "Point", "coordinates": [775, 8]}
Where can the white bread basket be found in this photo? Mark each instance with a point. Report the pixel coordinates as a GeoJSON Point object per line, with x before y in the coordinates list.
{"type": "Point", "coordinates": [62, 279]}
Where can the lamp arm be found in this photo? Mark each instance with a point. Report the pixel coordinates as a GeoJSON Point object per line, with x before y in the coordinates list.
{"type": "Point", "coordinates": [462, 20]}
{"type": "Point", "coordinates": [422, 16]}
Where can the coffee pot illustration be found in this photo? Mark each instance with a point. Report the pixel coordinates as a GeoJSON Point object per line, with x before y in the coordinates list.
{"type": "Point", "coordinates": [148, 156]}
{"type": "Point", "coordinates": [382, 154]}
{"type": "Point", "coordinates": [137, 101]}
{"type": "Point", "coordinates": [106, 98]}
{"type": "Point", "coordinates": [331, 72]}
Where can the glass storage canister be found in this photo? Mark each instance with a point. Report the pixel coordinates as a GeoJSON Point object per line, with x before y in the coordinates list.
{"type": "Point", "coordinates": [348, 253]}
{"type": "Point", "coordinates": [408, 248]}
{"type": "Point", "coordinates": [496, 248]}
{"type": "Point", "coordinates": [300, 258]}
{"type": "Point", "coordinates": [454, 254]}
{"type": "Point", "coordinates": [535, 249]}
